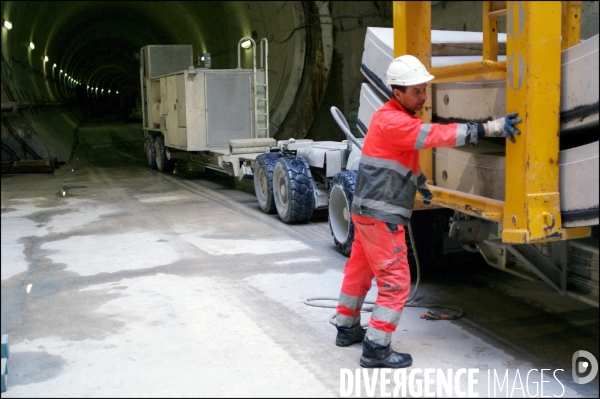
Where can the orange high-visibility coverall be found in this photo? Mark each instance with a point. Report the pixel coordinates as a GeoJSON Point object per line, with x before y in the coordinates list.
{"type": "Point", "coordinates": [387, 180]}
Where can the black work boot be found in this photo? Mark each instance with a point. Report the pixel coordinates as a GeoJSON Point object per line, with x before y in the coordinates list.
{"type": "Point", "coordinates": [375, 356]}
{"type": "Point", "coordinates": [347, 336]}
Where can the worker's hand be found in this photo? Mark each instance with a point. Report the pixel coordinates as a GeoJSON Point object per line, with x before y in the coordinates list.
{"type": "Point", "coordinates": [427, 195]}
{"type": "Point", "coordinates": [503, 127]}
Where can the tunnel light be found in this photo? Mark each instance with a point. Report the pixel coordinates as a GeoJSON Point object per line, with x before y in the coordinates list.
{"type": "Point", "coordinates": [246, 44]}
{"type": "Point", "coordinates": [54, 66]}
{"type": "Point", "coordinates": [108, 91]}
{"type": "Point", "coordinates": [31, 45]}
{"type": "Point", "coordinates": [7, 24]}
{"type": "Point", "coordinates": [45, 58]}
{"type": "Point", "coordinates": [61, 71]}
{"type": "Point", "coordinates": [117, 92]}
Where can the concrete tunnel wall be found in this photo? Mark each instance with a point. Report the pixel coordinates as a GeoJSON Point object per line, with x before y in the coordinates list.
{"type": "Point", "coordinates": [94, 44]}
{"type": "Point", "coordinates": [315, 50]}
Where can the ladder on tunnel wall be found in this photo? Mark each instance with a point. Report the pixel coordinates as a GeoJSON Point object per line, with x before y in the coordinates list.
{"type": "Point", "coordinates": [531, 210]}
{"type": "Point", "coordinates": [260, 86]}
{"type": "Point", "coordinates": [262, 92]}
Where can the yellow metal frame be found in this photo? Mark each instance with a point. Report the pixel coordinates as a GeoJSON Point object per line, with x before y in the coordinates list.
{"type": "Point", "coordinates": [571, 23]}
{"type": "Point", "coordinates": [470, 71]}
{"type": "Point", "coordinates": [412, 35]}
{"type": "Point", "coordinates": [531, 212]}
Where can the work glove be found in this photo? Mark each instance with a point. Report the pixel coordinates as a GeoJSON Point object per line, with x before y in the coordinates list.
{"type": "Point", "coordinates": [424, 191]}
{"type": "Point", "coordinates": [503, 127]}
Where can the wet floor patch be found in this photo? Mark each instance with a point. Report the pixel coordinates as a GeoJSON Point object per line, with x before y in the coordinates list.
{"type": "Point", "coordinates": [33, 367]}
{"type": "Point", "coordinates": [93, 254]}
{"type": "Point", "coordinates": [32, 218]}
{"type": "Point", "coordinates": [217, 246]}
{"type": "Point", "coordinates": [16, 233]}
{"type": "Point", "coordinates": [184, 331]}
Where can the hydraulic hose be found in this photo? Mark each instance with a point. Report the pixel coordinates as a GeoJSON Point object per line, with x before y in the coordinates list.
{"type": "Point", "coordinates": [410, 302]}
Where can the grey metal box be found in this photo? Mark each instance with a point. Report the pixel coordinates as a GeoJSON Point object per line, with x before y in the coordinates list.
{"type": "Point", "coordinates": [203, 109]}
{"type": "Point", "coordinates": [163, 60]}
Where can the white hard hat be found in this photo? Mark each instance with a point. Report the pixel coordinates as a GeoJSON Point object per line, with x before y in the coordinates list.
{"type": "Point", "coordinates": [407, 70]}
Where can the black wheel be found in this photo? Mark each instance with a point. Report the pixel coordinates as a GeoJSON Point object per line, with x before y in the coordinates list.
{"type": "Point", "coordinates": [293, 189]}
{"type": "Point", "coordinates": [263, 181]}
{"type": "Point", "coordinates": [150, 151]}
{"type": "Point", "coordinates": [162, 163]}
{"type": "Point", "coordinates": [341, 193]}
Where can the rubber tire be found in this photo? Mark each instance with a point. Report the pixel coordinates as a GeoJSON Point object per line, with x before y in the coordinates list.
{"type": "Point", "coordinates": [342, 188]}
{"type": "Point", "coordinates": [293, 189]}
{"type": "Point", "coordinates": [263, 181]}
{"type": "Point", "coordinates": [163, 164]}
{"type": "Point", "coordinates": [150, 151]}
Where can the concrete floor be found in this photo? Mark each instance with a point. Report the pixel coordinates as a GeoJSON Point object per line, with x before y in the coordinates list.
{"type": "Point", "coordinates": [119, 281]}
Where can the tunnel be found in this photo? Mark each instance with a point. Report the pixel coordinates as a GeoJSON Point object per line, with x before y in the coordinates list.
{"type": "Point", "coordinates": [65, 64]}
{"type": "Point", "coordinates": [68, 62]}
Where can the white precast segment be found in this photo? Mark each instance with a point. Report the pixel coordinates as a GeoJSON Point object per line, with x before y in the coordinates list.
{"type": "Point", "coordinates": [478, 170]}
{"type": "Point", "coordinates": [475, 101]}
{"type": "Point", "coordinates": [579, 74]}
{"type": "Point", "coordinates": [579, 181]}
{"type": "Point", "coordinates": [370, 101]}
{"type": "Point", "coordinates": [379, 48]}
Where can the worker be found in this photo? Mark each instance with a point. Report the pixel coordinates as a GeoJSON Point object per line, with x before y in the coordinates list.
{"type": "Point", "coordinates": [387, 181]}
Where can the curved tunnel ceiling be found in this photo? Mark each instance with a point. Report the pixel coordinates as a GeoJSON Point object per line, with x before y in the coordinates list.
{"type": "Point", "coordinates": [96, 43]}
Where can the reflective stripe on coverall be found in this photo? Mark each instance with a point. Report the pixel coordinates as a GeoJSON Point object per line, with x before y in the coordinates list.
{"type": "Point", "coordinates": [388, 172]}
